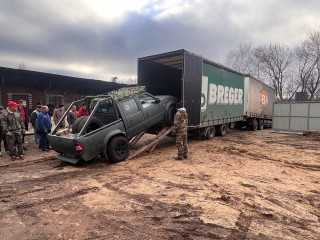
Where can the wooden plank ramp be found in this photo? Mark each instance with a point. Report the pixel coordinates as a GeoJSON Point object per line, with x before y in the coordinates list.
{"type": "Point", "coordinates": [151, 146]}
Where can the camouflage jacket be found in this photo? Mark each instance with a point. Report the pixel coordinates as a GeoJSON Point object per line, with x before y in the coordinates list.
{"type": "Point", "coordinates": [11, 121]}
{"type": "Point", "coordinates": [180, 126]}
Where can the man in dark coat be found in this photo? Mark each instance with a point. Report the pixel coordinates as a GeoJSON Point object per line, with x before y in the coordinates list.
{"type": "Point", "coordinates": [33, 120]}
{"type": "Point", "coordinates": [72, 115]}
{"type": "Point", "coordinates": [44, 125]}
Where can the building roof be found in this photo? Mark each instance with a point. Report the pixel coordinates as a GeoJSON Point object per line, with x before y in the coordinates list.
{"type": "Point", "coordinates": [41, 80]}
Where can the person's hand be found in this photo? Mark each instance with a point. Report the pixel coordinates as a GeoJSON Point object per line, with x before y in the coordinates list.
{"type": "Point", "coordinates": [9, 133]}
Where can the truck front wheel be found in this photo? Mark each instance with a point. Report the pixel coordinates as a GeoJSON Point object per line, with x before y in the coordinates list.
{"type": "Point", "coordinates": [118, 149]}
{"type": "Point", "coordinates": [170, 114]}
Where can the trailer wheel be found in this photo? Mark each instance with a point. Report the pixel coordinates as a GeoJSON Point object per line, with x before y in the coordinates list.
{"type": "Point", "coordinates": [94, 124]}
{"type": "Point", "coordinates": [260, 124]}
{"type": "Point", "coordinates": [253, 124]}
{"type": "Point", "coordinates": [210, 132]}
{"type": "Point", "coordinates": [118, 149]}
{"type": "Point", "coordinates": [221, 130]}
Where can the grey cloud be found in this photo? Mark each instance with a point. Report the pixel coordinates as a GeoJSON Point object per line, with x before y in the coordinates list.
{"type": "Point", "coordinates": [68, 32]}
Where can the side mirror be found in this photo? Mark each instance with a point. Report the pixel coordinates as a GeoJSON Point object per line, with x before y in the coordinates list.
{"type": "Point", "coordinates": [157, 100]}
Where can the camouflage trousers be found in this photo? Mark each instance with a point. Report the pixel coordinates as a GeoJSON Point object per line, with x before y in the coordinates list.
{"type": "Point", "coordinates": [182, 145]}
{"type": "Point", "coordinates": [15, 143]}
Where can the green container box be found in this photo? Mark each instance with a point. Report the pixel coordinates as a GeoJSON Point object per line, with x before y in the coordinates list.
{"type": "Point", "coordinates": [222, 95]}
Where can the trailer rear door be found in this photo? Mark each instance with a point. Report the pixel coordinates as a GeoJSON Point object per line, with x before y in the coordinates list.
{"type": "Point", "coordinates": [191, 87]}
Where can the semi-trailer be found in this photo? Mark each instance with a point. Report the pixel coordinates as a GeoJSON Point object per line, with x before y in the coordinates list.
{"type": "Point", "coordinates": [216, 97]}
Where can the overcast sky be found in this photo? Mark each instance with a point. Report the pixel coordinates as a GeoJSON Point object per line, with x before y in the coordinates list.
{"type": "Point", "coordinates": [100, 39]}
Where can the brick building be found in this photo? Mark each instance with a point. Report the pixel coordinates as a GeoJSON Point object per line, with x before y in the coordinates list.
{"type": "Point", "coordinates": [46, 88]}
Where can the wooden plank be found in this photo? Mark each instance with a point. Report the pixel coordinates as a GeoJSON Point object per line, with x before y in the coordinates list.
{"type": "Point", "coordinates": [160, 137]}
{"type": "Point", "coordinates": [153, 143]}
{"type": "Point", "coordinates": [136, 138]}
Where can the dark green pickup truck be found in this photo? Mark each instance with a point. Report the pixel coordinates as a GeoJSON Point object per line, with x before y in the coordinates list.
{"type": "Point", "coordinates": [110, 126]}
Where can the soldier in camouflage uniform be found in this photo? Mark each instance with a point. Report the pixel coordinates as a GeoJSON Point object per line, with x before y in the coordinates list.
{"type": "Point", "coordinates": [13, 128]}
{"type": "Point", "coordinates": [180, 129]}
{"type": "Point", "coordinates": [2, 135]}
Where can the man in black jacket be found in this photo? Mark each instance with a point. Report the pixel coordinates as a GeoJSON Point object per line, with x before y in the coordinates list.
{"type": "Point", "coordinates": [33, 120]}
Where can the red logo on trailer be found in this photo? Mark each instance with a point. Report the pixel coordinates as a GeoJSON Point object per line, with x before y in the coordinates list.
{"type": "Point", "coordinates": [263, 97]}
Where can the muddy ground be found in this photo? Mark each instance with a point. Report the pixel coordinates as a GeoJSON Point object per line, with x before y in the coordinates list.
{"type": "Point", "coordinates": [246, 185]}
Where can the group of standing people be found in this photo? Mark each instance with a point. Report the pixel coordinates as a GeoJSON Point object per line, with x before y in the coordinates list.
{"type": "Point", "coordinates": [72, 115]}
{"type": "Point", "coordinates": [14, 121]}
{"type": "Point", "coordinates": [13, 125]}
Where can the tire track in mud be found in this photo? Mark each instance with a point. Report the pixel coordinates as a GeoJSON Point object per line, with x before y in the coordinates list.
{"type": "Point", "coordinates": [22, 187]}
{"type": "Point", "coordinates": [243, 223]}
{"type": "Point", "coordinates": [98, 225]}
{"type": "Point", "coordinates": [260, 156]}
{"type": "Point", "coordinates": [23, 207]}
{"type": "Point", "coordinates": [184, 219]}
{"type": "Point", "coordinates": [26, 205]}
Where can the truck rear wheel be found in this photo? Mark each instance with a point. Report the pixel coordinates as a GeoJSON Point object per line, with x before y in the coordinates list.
{"type": "Point", "coordinates": [118, 149]}
{"type": "Point", "coordinates": [260, 124]}
{"type": "Point", "coordinates": [253, 124]}
{"type": "Point", "coordinates": [221, 130]}
{"type": "Point", "coordinates": [210, 132]}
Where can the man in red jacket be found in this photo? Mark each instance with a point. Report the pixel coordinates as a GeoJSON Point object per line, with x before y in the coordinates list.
{"type": "Point", "coordinates": [25, 117]}
{"type": "Point", "coordinates": [83, 111]}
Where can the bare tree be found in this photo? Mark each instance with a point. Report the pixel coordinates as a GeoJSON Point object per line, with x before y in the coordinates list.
{"type": "Point", "coordinates": [22, 66]}
{"type": "Point", "coordinates": [308, 58]}
{"type": "Point", "coordinates": [275, 61]}
{"type": "Point", "coordinates": [242, 59]}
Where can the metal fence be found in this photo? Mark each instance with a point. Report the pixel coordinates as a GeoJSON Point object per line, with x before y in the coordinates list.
{"type": "Point", "coordinates": [296, 116]}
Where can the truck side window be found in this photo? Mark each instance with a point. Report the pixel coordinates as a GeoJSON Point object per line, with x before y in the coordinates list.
{"type": "Point", "coordinates": [130, 107]}
{"type": "Point", "coordinates": [146, 100]}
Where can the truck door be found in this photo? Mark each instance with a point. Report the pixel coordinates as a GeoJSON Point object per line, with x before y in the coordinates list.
{"type": "Point", "coordinates": [133, 117]}
{"type": "Point", "coordinates": [152, 108]}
